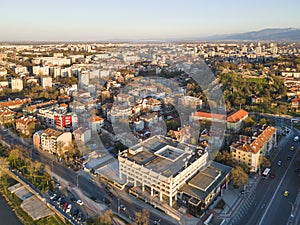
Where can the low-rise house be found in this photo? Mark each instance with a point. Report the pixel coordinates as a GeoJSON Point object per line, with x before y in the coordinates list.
{"type": "Point", "coordinates": [26, 124]}
{"type": "Point", "coordinates": [95, 123]}
{"type": "Point", "coordinates": [7, 116]}
{"type": "Point", "coordinates": [82, 134]}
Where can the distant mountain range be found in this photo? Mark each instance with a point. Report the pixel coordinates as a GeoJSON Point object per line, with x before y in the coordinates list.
{"type": "Point", "coordinates": [276, 34]}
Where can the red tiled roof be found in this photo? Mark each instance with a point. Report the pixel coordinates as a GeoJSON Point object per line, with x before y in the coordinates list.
{"type": "Point", "coordinates": [95, 119]}
{"type": "Point", "coordinates": [257, 144]}
{"type": "Point", "coordinates": [237, 116]}
{"type": "Point", "coordinates": [209, 115]}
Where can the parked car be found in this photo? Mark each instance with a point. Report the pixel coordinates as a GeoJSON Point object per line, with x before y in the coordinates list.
{"type": "Point", "coordinates": [53, 196]}
{"type": "Point", "coordinates": [79, 202]}
{"type": "Point", "coordinates": [296, 138]}
{"type": "Point", "coordinates": [69, 208]}
{"type": "Point", "coordinates": [122, 207]}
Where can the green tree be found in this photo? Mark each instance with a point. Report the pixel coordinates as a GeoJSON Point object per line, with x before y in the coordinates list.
{"type": "Point", "coordinates": [14, 155]}
{"type": "Point", "coordinates": [262, 121]}
{"type": "Point", "coordinates": [265, 162]}
{"type": "Point", "coordinates": [106, 218]}
{"type": "Point", "coordinates": [239, 176]}
{"type": "Point", "coordinates": [142, 217]}
{"type": "Point", "coordinates": [3, 165]}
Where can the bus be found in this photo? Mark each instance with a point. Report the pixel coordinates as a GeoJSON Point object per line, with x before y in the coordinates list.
{"type": "Point", "coordinates": [266, 173]}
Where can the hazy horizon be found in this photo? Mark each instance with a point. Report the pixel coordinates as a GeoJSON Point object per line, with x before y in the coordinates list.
{"type": "Point", "coordinates": [134, 20]}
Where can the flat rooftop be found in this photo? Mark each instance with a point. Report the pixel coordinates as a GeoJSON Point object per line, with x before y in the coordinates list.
{"type": "Point", "coordinates": [163, 155]}
{"type": "Point", "coordinates": [205, 180]}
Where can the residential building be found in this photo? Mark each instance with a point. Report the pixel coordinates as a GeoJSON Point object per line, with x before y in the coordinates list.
{"type": "Point", "coordinates": [16, 84]}
{"type": "Point", "coordinates": [95, 123]}
{"type": "Point", "coordinates": [46, 82]}
{"type": "Point", "coordinates": [250, 150]}
{"type": "Point", "coordinates": [3, 72]}
{"type": "Point", "coordinates": [55, 142]}
{"type": "Point", "coordinates": [7, 116]}
{"type": "Point", "coordinates": [36, 139]}
{"type": "Point", "coordinates": [82, 134]}
{"type": "Point", "coordinates": [14, 104]}
{"type": "Point", "coordinates": [56, 117]}
{"type": "Point", "coordinates": [235, 120]}
{"type": "Point", "coordinates": [26, 124]}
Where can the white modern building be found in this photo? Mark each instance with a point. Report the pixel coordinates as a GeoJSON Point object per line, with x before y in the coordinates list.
{"type": "Point", "coordinates": [161, 165]}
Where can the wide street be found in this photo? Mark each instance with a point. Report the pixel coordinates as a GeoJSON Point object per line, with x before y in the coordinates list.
{"type": "Point", "coordinates": [92, 186]}
{"type": "Point", "coordinates": [269, 205]}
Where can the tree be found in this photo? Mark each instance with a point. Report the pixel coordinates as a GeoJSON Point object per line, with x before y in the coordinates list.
{"type": "Point", "coordinates": [142, 217]}
{"type": "Point", "coordinates": [265, 162]}
{"type": "Point", "coordinates": [224, 157]}
{"type": "Point", "coordinates": [14, 155]}
{"type": "Point", "coordinates": [239, 176]}
{"type": "Point", "coordinates": [262, 121]}
{"type": "Point", "coordinates": [3, 165]}
{"type": "Point", "coordinates": [249, 122]}
{"type": "Point", "coordinates": [106, 218]}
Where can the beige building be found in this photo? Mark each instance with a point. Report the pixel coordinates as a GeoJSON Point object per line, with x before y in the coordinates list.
{"type": "Point", "coordinates": [250, 150]}
{"type": "Point", "coordinates": [55, 142]}
{"type": "Point", "coordinates": [16, 84]}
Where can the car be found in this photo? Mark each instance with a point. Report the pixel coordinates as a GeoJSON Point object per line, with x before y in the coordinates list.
{"type": "Point", "coordinates": [73, 200]}
{"type": "Point", "coordinates": [289, 158]}
{"type": "Point", "coordinates": [292, 148]}
{"type": "Point", "coordinates": [272, 175]}
{"type": "Point", "coordinates": [56, 198]}
{"type": "Point", "coordinates": [242, 192]}
{"type": "Point", "coordinates": [53, 196]}
{"type": "Point", "coordinates": [296, 138]}
{"type": "Point", "coordinates": [286, 193]}
{"type": "Point", "coordinates": [122, 207]}
{"type": "Point", "coordinates": [69, 208]}
{"type": "Point", "coordinates": [65, 206]}
{"type": "Point", "coordinates": [79, 202]}
{"type": "Point", "coordinates": [296, 170]}
{"type": "Point", "coordinates": [279, 162]}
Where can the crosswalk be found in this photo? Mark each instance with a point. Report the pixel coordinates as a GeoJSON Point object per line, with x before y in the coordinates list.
{"type": "Point", "coordinates": [246, 204]}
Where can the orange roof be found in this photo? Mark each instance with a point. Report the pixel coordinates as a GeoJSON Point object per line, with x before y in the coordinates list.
{"type": "Point", "coordinates": [209, 115]}
{"type": "Point", "coordinates": [237, 116]}
{"type": "Point", "coordinates": [26, 120]}
{"type": "Point", "coordinates": [15, 102]}
{"type": "Point", "coordinates": [95, 119]}
{"type": "Point", "coordinates": [257, 144]}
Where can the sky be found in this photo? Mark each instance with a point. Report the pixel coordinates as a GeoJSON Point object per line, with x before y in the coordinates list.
{"type": "Point", "coordinates": [104, 20]}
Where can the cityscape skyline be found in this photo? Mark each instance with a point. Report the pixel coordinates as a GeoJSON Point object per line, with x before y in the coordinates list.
{"type": "Point", "coordinates": [117, 20]}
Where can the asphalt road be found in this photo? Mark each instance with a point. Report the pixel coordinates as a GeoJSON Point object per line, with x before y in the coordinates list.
{"type": "Point", "coordinates": [270, 206]}
{"type": "Point", "coordinates": [90, 185]}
